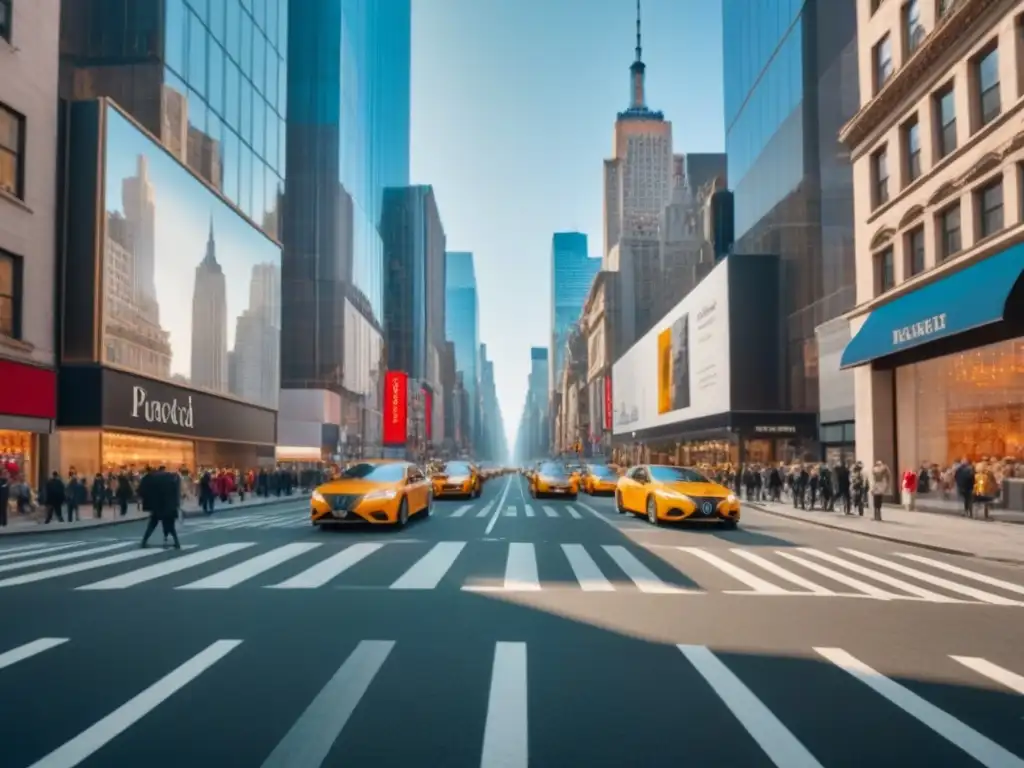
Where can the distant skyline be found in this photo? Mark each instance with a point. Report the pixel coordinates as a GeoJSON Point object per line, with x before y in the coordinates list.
{"type": "Point", "coordinates": [184, 209]}
{"type": "Point", "coordinates": [514, 144]}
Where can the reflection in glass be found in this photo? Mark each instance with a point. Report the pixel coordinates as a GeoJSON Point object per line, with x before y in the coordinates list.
{"type": "Point", "coordinates": [214, 326]}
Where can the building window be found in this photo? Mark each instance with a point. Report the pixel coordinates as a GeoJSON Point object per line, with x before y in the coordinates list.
{"type": "Point", "coordinates": [6, 18]}
{"type": "Point", "coordinates": [10, 296]}
{"type": "Point", "coordinates": [915, 251]}
{"type": "Point", "coordinates": [913, 31]}
{"type": "Point", "coordinates": [944, 7]}
{"type": "Point", "coordinates": [880, 171]}
{"type": "Point", "coordinates": [912, 148]}
{"type": "Point", "coordinates": [883, 62]}
{"type": "Point", "coordinates": [949, 232]}
{"type": "Point", "coordinates": [875, 4]}
{"type": "Point", "coordinates": [885, 270]}
{"type": "Point", "coordinates": [986, 73]}
{"type": "Point", "coordinates": [945, 109]}
{"type": "Point", "coordinates": [12, 150]}
{"type": "Point", "coordinates": [990, 209]}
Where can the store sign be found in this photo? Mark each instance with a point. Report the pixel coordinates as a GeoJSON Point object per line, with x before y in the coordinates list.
{"type": "Point", "coordinates": [920, 330]}
{"type": "Point", "coordinates": [156, 412]}
{"type": "Point", "coordinates": [787, 429]}
{"type": "Point", "coordinates": [27, 390]}
{"type": "Point", "coordinates": [609, 407]}
{"type": "Point", "coordinates": [396, 416]}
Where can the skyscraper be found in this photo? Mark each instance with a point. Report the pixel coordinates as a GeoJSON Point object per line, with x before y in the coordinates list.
{"type": "Point", "coordinates": [462, 328]}
{"type": "Point", "coordinates": [790, 84]}
{"type": "Point", "coordinates": [348, 139]}
{"type": "Point", "coordinates": [572, 272]}
{"type": "Point", "coordinates": [139, 200]}
{"type": "Point", "coordinates": [637, 186]}
{"type": "Point", "coordinates": [208, 79]}
{"type": "Point", "coordinates": [210, 323]}
{"type": "Point", "coordinates": [255, 361]}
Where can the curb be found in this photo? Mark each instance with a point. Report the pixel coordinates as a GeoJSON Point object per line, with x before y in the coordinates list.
{"type": "Point", "coordinates": [39, 530]}
{"type": "Point", "coordinates": [892, 539]}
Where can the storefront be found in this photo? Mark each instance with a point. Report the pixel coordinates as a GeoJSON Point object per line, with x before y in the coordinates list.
{"type": "Point", "coordinates": [706, 385]}
{"type": "Point", "coordinates": [940, 371]}
{"type": "Point", "coordinates": [108, 419]}
{"type": "Point", "coordinates": [28, 407]}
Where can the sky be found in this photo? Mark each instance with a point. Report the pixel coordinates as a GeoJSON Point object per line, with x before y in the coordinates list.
{"type": "Point", "coordinates": [183, 211]}
{"type": "Point", "coordinates": [513, 107]}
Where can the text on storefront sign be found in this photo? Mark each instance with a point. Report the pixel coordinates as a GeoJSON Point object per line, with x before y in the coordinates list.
{"type": "Point", "coordinates": [919, 330]}
{"type": "Point", "coordinates": [161, 412]}
{"type": "Point", "coordinates": [777, 430]}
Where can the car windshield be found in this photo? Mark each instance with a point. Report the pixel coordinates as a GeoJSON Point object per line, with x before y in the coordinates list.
{"type": "Point", "coordinates": [551, 469]}
{"type": "Point", "coordinates": [456, 468]}
{"type": "Point", "coordinates": [598, 470]}
{"type": "Point", "coordinates": [677, 475]}
{"type": "Point", "coordinates": [380, 473]}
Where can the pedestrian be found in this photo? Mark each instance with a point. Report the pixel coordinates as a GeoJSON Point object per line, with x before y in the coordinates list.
{"type": "Point", "coordinates": [54, 490]}
{"type": "Point", "coordinates": [158, 493]}
{"type": "Point", "coordinates": [881, 482]}
{"type": "Point", "coordinates": [99, 495]}
{"type": "Point", "coordinates": [5, 496]}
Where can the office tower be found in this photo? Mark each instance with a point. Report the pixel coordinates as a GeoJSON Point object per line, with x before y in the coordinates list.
{"type": "Point", "coordinates": [139, 200]}
{"type": "Point", "coordinates": [255, 373]}
{"type": "Point", "coordinates": [208, 79]}
{"type": "Point", "coordinates": [348, 140]}
{"type": "Point", "coordinates": [790, 84]}
{"type": "Point", "coordinates": [209, 366]}
{"type": "Point", "coordinates": [537, 411]}
{"type": "Point", "coordinates": [637, 187]}
{"type": "Point", "coordinates": [572, 272]}
{"type": "Point", "coordinates": [462, 328]}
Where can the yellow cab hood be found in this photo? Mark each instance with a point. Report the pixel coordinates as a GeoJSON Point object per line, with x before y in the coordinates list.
{"type": "Point", "coordinates": [353, 486]}
{"type": "Point", "coordinates": [711, 490]}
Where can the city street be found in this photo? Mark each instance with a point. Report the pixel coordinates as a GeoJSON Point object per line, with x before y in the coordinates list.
{"type": "Point", "coordinates": [505, 631]}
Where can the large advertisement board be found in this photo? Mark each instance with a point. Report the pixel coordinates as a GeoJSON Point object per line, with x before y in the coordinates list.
{"type": "Point", "coordinates": [396, 418]}
{"type": "Point", "coordinates": [680, 369]}
{"type": "Point", "coordinates": [191, 290]}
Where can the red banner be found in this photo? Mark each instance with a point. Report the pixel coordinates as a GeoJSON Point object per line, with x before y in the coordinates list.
{"type": "Point", "coordinates": [608, 409]}
{"type": "Point", "coordinates": [428, 414]}
{"type": "Point", "coordinates": [396, 408]}
{"type": "Point", "coordinates": [27, 390]}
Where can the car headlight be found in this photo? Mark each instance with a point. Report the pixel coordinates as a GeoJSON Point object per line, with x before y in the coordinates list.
{"type": "Point", "coordinates": [387, 493]}
{"type": "Point", "coordinates": [731, 498]}
{"type": "Point", "coordinates": [677, 496]}
{"type": "Point", "coordinates": [318, 497]}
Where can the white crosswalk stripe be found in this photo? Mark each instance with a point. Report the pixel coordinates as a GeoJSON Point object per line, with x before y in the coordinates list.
{"type": "Point", "coordinates": [531, 567]}
{"type": "Point", "coordinates": [517, 673]}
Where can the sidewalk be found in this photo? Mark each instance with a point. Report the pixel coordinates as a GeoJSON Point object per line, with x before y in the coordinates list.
{"type": "Point", "coordinates": [33, 523]}
{"type": "Point", "coordinates": [990, 540]}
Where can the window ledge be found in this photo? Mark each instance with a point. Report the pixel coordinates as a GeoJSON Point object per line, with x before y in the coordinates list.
{"type": "Point", "coordinates": [9, 342]}
{"type": "Point", "coordinates": [15, 201]}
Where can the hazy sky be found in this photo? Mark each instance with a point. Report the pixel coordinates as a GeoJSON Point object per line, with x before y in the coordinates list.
{"type": "Point", "coordinates": [183, 210]}
{"type": "Point", "coordinates": [513, 106]}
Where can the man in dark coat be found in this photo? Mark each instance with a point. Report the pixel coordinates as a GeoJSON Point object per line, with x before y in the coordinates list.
{"type": "Point", "coordinates": [159, 494]}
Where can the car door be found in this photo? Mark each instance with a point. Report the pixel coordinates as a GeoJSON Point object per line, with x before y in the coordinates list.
{"type": "Point", "coordinates": [418, 489]}
{"type": "Point", "coordinates": [636, 490]}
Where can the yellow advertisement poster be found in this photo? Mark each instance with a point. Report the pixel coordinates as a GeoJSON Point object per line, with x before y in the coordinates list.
{"type": "Point", "coordinates": [665, 371]}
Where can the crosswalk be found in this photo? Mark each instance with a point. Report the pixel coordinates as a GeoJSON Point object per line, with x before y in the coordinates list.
{"type": "Point", "coordinates": [541, 511]}
{"type": "Point", "coordinates": [707, 692]}
{"type": "Point", "coordinates": [508, 566]}
{"type": "Point", "coordinates": [294, 518]}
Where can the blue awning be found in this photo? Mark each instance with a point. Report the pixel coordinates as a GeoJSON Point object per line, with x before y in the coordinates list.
{"type": "Point", "coordinates": [968, 299]}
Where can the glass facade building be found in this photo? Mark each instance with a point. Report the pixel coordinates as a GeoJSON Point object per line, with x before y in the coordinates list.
{"type": "Point", "coordinates": [572, 272]}
{"type": "Point", "coordinates": [207, 77]}
{"type": "Point", "coordinates": [348, 106]}
{"type": "Point", "coordinates": [791, 82]}
{"type": "Point", "coordinates": [462, 326]}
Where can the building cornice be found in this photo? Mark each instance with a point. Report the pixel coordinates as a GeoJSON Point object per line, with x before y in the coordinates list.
{"type": "Point", "coordinates": [954, 27]}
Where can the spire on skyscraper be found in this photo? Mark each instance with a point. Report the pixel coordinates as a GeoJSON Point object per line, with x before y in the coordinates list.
{"type": "Point", "coordinates": [210, 259]}
{"type": "Point", "coordinates": [639, 47]}
{"type": "Point", "coordinates": [636, 71]}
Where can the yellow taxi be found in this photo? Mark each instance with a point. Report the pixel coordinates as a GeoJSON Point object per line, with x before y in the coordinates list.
{"type": "Point", "coordinates": [553, 478]}
{"type": "Point", "coordinates": [376, 492]}
{"type": "Point", "coordinates": [599, 479]}
{"type": "Point", "coordinates": [457, 479]}
{"type": "Point", "coordinates": [669, 494]}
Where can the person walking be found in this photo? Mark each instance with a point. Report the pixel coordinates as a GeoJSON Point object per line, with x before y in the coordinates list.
{"type": "Point", "coordinates": [158, 492]}
{"type": "Point", "coordinates": [54, 492]}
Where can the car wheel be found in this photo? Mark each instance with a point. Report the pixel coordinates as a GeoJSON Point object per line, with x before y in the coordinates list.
{"type": "Point", "coordinates": [652, 511]}
{"type": "Point", "coordinates": [618, 504]}
{"type": "Point", "coordinates": [430, 504]}
{"type": "Point", "coordinates": [730, 525]}
{"type": "Point", "coordinates": [403, 512]}
{"type": "Point", "coordinates": [573, 497]}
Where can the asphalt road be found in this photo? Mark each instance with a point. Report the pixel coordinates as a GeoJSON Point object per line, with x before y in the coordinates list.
{"type": "Point", "coordinates": [505, 632]}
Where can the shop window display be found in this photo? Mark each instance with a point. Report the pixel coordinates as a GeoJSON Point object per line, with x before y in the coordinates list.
{"type": "Point", "coordinates": [16, 455]}
{"type": "Point", "coordinates": [92, 451]}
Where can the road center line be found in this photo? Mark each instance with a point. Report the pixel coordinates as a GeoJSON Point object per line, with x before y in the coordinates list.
{"type": "Point", "coordinates": [500, 506]}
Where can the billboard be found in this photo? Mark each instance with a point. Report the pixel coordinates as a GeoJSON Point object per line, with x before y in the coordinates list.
{"type": "Point", "coordinates": [680, 369]}
{"type": "Point", "coordinates": [191, 290]}
{"type": "Point", "coordinates": [428, 414]}
{"type": "Point", "coordinates": [609, 404]}
{"type": "Point", "coordinates": [396, 415]}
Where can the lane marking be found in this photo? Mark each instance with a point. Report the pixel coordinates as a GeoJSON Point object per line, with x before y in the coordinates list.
{"type": "Point", "coordinates": [427, 572]}
{"type": "Point", "coordinates": [28, 650]}
{"type": "Point", "coordinates": [521, 573]}
{"type": "Point", "coordinates": [774, 738]}
{"type": "Point", "coordinates": [549, 511]}
{"type": "Point", "coordinates": [782, 573]}
{"type": "Point", "coordinates": [77, 555]}
{"type": "Point", "coordinates": [884, 578]}
{"type": "Point", "coordinates": [861, 586]}
{"type": "Point", "coordinates": [461, 511]}
{"type": "Point", "coordinates": [510, 512]}
{"type": "Point", "coordinates": [321, 573]}
{"type": "Point", "coordinates": [94, 738]}
{"type": "Point", "coordinates": [573, 513]}
{"type": "Point", "coordinates": [506, 732]}
{"type": "Point", "coordinates": [167, 567]}
{"type": "Point", "coordinates": [528, 509]}
{"type": "Point", "coordinates": [586, 569]}
{"type": "Point", "coordinates": [310, 740]}
{"type": "Point", "coordinates": [991, 581]}
{"type": "Point", "coordinates": [254, 566]}
{"type": "Point", "coordinates": [644, 578]}
{"type": "Point", "coordinates": [993, 672]}
{"type": "Point", "coordinates": [12, 553]}
{"type": "Point", "coordinates": [498, 508]}
{"type": "Point", "coordinates": [485, 510]}
{"type": "Point", "coordinates": [980, 747]}
{"type": "Point", "coordinates": [742, 575]}
{"type": "Point", "coordinates": [66, 570]}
